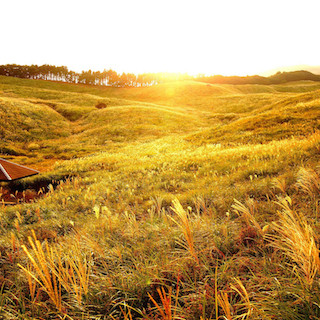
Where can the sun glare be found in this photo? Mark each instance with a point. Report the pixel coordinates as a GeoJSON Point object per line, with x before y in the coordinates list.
{"type": "Point", "coordinates": [210, 37]}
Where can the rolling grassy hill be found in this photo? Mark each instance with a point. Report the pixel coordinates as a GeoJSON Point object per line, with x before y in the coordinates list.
{"type": "Point", "coordinates": [183, 200]}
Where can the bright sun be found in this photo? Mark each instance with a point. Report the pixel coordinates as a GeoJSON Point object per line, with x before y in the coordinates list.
{"type": "Point", "coordinates": [204, 36]}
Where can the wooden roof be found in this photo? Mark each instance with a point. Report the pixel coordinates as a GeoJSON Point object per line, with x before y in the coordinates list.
{"type": "Point", "coordinates": [12, 171]}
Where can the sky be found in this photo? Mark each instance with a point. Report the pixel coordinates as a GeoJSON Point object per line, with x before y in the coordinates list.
{"type": "Point", "coordinates": [228, 37]}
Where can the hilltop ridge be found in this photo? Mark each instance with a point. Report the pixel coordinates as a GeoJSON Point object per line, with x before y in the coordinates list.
{"type": "Point", "coordinates": [112, 78]}
{"type": "Point", "coordinates": [203, 112]}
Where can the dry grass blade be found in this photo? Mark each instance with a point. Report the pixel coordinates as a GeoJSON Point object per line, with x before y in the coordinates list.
{"type": "Point", "coordinates": [165, 310]}
{"type": "Point", "coordinates": [32, 284]}
{"type": "Point", "coordinates": [295, 238]}
{"type": "Point", "coordinates": [245, 306]}
{"type": "Point", "coordinates": [73, 272]}
{"type": "Point", "coordinates": [43, 274]}
{"type": "Point", "coordinates": [247, 213]}
{"type": "Point", "coordinates": [281, 184]}
{"type": "Point", "coordinates": [184, 224]}
{"type": "Point", "coordinates": [240, 310]}
{"type": "Point", "coordinates": [224, 303]}
{"type": "Point", "coordinates": [126, 315]}
{"type": "Point", "coordinates": [309, 181]}
{"type": "Point", "coordinates": [53, 269]}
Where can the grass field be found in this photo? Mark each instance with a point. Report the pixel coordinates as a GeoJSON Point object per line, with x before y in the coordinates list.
{"type": "Point", "coordinates": [178, 201]}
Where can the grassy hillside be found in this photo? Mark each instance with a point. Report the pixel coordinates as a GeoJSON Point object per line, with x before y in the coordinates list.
{"type": "Point", "coordinates": [178, 201]}
{"type": "Point", "coordinates": [290, 117]}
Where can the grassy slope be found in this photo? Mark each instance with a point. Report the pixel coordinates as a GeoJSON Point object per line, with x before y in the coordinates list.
{"type": "Point", "coordinates": [203, 144]}
{"type": "Point", "coordinates": [293, 116]}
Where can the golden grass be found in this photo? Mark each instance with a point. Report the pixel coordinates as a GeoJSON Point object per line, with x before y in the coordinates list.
{"type": "Point", "coordinates": [224, 303]}
{"type": "Point", "coordinates": [186, 228]}
{"type": "Point", "coordinates": [127, 265]}
{"type": "Point", "coordinates": [42, 274]}
{"type": "Point", "coordinates": [309, 181]}
{"type": "Point", "coordinates": [296, 239]}
{"type": "Point", "coordinates": [53, 269]}
{"type": "Point", "coordinates": [247, 213]}
{"type": "Point", "coordinates": [244, 307]}
{"type": "Point", "coordinates": [166, 310]}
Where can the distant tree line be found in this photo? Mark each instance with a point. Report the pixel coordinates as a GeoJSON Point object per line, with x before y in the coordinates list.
{"type": "Point", "coordinates": [112, 78]}
{"type": "Point", "coordinates": [104, 78]}
{"type": "Point", "coordinates": [279, 77]}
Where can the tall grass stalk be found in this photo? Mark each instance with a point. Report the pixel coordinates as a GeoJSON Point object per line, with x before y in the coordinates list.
{"type": "Point", "coordinates": [239, 310]}
{"type": "Point", "coordinates": [244, 307]}
{"type": "Point", "coordinates": [280, 184]}
{"type": "Point", "coordinates": [54, 269]}
{"type": "Point", "coordinates": [247, 213]}
{"type": "Point", "coordinates": [225, 305]}
{"type": "Point", "coordinates": [73, 272]}
{"type": "Point", "coordinates": [43, 274]}
{"type": "Point", "coordinates": [127, 315]}
{"type": "Point", "coordinates": [309, 181]}
{"type": "Point", "coordinates": [295, 238]}
{"type": "Point", "coordinates": [166, 311]}
{"type": "Point", "coordinates": [32, 284]}
{"type": "Point", "coordinates": [185, 226]}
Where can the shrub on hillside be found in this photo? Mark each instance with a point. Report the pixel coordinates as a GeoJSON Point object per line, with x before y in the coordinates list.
{"type": "Point", "coordinates": [101, 105]}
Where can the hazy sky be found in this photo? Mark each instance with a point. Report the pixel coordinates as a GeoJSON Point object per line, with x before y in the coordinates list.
{"type": "Point", "coordinates": [195, 36]}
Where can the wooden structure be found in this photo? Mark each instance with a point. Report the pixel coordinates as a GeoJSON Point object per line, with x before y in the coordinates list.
{"type": "Point", "coordinates": [11, 171]}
